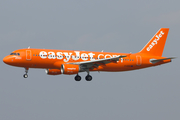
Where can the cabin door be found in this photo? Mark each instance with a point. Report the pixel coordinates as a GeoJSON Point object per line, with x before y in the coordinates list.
{"type": "Point", "coordinates": [28, 54]}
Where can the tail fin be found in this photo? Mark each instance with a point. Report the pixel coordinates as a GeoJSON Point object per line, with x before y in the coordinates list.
{"type": "Point", "coordinates": [156, 45]}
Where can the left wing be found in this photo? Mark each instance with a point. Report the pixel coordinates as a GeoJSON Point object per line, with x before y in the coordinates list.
{"type": "Point", "coordinates": [158, 60]}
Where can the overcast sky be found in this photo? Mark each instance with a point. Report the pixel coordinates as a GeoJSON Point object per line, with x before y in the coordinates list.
{"type": "Point", "coordinates": [92, 25]}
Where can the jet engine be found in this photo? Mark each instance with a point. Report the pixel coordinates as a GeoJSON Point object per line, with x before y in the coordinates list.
{"type": "Point", "coordinates": [69, 69]}
{"type": "Point", "coordinates": [53, 71]}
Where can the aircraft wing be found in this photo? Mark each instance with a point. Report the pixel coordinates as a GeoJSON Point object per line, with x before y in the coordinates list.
{"type": "Point", "coordinates": [95, 63]}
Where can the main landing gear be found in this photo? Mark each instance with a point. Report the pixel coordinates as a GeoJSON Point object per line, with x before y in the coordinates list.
{"type": "Point", "coordinates": [78, 78]}
{"type": "Point", "coordinates": [88, 77]}
{"type": "Point", "coordinates": [26, 75]}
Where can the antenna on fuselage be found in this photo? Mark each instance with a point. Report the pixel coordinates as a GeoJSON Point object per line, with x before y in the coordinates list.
{"type": "Point", "coordinates": [29, 47]}
{"type": "Point", "coordinates": [102, 51]}
{"type": "Point", "coordinates": [128, 55]}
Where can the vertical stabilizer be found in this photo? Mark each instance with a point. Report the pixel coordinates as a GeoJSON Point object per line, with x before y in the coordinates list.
{"type": "Point", "coordinates": [156, 45]}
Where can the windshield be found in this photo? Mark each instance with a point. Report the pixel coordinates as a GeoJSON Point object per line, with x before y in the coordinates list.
{"type": "Point", "coordinates": [18, 54]}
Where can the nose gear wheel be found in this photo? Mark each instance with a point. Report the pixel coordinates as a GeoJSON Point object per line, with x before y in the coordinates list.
{"type": "Point", "coordinates": [25, 75]}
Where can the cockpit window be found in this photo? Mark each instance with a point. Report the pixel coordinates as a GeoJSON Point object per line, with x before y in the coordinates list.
{"type": "Point", "coordinates": [18, 54]}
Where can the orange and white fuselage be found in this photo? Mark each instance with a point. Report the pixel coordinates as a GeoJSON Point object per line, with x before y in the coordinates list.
{"type": "Point", "coordinates": [72, 62]}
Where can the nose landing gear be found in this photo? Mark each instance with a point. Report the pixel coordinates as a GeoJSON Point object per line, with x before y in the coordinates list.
{"type": "Point", "coordinates": [26, 75]}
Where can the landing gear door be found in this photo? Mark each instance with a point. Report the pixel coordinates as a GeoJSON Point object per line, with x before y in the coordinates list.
{"type": "Point", "coordinates": [28, 54]}
{"type": "Point", "coordinates": [138, 60]}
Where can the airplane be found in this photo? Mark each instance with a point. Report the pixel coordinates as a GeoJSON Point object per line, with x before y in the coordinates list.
{"type": "Point", "coordinates": [70, 62]}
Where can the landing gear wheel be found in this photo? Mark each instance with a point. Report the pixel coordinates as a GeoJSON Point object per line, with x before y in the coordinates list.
{"type": "Point", "coordinates": [88, 77]}
{"type": "Point", "coordinates": [25, 75]}
{"type": "Point", "coordinates": [77, 78]}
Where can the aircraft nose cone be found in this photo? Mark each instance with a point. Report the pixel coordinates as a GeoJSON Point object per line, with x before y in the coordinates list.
{"type": "Point", "coordinates": [6, 60]}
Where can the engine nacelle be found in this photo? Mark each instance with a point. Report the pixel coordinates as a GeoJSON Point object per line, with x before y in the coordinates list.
{"type": "Point", "coordinates": [69, 69]}
{"type": "Point", "coordinates": [53, 71]}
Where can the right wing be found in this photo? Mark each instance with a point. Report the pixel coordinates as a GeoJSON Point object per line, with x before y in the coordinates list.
{"type": "Point", "coordinates": [95, 63]}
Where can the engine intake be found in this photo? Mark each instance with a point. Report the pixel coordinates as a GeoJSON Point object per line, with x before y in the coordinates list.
{"type": "Point", "coordinates": [69, 69]}
{"type": "Point", "coordinates": [53, 71]}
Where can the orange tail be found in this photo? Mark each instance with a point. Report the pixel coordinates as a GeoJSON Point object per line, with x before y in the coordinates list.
{"type": "Point", "coordinates": [156, 45]}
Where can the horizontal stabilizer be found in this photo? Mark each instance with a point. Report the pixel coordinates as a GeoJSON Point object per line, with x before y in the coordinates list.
{"type": "Point", "coordinates": [158, 60]}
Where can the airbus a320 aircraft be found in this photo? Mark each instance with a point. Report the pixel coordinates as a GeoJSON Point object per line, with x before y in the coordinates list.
{"type": "Point", "coordinates": [71, 62]}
